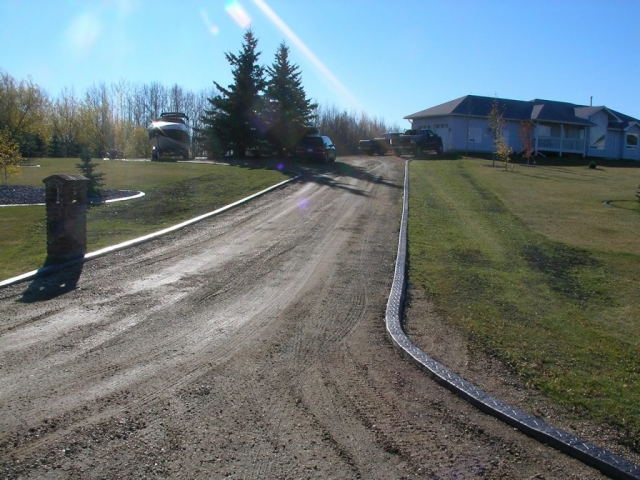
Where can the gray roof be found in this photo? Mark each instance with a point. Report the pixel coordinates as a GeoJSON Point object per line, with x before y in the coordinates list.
{"type": "Point", "coordinates": [537, 109]}
{"type": "Point", "coordinates": [65, 177]}
{"type": "Point", "coordinates": [558, 112]}
{"type": "Point", "coordinates": [475, 106]}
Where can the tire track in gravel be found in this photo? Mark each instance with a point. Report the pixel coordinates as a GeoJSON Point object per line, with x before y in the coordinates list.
{"type": "Point", "coordinates": [316, 338]}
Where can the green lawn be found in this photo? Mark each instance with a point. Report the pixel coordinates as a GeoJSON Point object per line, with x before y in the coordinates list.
{"type": "Point", "coordinates": [535, 269]}
{"type": "Point", "coordinates": [174, 192]}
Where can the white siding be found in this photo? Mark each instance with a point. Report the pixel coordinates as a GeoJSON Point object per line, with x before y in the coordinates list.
{"type": "Point", "coordinates": [597, 136]}
{"type": "Point", "coordinates": [629, 150]}
{"type": "Point", "coordinates": [471, 134]}
{"type": "Point", "coordinates": [614, 144]}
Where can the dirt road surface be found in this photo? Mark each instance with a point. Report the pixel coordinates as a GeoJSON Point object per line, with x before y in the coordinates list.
{"type": "Point", "coordinates": [248, 346]}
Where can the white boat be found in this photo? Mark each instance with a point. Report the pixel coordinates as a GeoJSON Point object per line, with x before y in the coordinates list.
{"type": "Point", "coordinates": [169, 135]}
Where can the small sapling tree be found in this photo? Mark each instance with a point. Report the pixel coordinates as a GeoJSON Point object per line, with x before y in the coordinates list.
{"type": "Point", "coordinates": [526, 137]}
{"type": "Point", "coordinates": [88, 169]}
{"type": "Point", "coordinates": [496, 126]}
{"type": "Point", "coordinates": [503, 152]}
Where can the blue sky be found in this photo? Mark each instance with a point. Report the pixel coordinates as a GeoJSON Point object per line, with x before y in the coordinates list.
{"type": "Point", "coordinates": [386, 58]}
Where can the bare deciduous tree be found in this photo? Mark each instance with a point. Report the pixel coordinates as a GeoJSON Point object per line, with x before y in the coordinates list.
{"type": "Point", "coordinates": [66, 123]}
{"type": "Point", "coordinates": [23, 108]}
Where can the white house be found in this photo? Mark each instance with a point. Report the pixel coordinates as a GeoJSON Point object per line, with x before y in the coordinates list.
{"type": "Point", "coordinates": [559, 127]}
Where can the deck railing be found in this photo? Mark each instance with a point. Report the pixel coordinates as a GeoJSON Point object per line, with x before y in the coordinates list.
{"type": "Point", "coordinates": [557, 144]}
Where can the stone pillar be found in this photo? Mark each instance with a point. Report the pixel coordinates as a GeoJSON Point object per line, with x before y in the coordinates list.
{"type": "Point", "coordinates": [66, 200]}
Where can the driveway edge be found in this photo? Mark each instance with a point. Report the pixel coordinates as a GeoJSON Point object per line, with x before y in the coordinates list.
{"type": "Point", "coordinates": [137, 241]}
{"type": "Point", "coordinates": [607, 462]}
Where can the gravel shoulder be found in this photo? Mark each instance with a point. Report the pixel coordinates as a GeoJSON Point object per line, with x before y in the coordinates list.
{"type": "Point", "coordinates": [250, 345]}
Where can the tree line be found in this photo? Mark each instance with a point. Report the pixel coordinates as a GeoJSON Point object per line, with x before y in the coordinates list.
{"type": "Point", "coordinates": [105, 119]}
{"type": "Point", "coordinates": [264, 111]}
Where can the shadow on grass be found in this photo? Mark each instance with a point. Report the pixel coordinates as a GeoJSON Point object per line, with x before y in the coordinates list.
{"type": "Point", "coordinates": [441, 156]}
{"type": "Point", "coordinates": [53, 279]}
{"type": "Point", "coordinates": [568, 161]}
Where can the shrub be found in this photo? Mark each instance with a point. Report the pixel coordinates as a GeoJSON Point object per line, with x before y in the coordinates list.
{"type": "Point", "coordinates": [593, 165]}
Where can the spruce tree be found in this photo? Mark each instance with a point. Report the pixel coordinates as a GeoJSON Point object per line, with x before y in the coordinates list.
{"type": "Point", "coordinates": [235, 119]}
{"type": "Point", "coordinates": [55, 149]}
{"type": "Point", "coordinates": [289, 111]}
{"type": "Point", "coordinates": [88, 169]}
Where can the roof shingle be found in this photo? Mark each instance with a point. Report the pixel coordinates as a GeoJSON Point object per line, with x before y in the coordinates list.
{"type": "Point", "coordinates": [537, 109]}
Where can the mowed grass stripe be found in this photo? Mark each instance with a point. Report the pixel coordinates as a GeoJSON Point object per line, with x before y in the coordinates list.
{"type": "Point", "coordinates": [174, 192]}
{"type": "Point", "coordinates": [560, 315]}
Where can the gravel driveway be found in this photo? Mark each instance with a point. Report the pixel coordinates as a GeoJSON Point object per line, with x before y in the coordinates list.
{"type": "Point", "coordinates": [249, 346]}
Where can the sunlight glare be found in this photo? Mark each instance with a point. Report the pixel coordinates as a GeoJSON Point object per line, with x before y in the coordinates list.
{"type": "Point", "coordinates": [238, 13]}
{"type": "Point", "coordinates": [329, 76]}
{"type": "Point", "coordinates": [83, 33]}
{"type": "Point", "coordinates": [210, 26]}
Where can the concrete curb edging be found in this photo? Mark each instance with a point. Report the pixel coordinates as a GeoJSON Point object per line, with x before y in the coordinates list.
{"type": "Point", "coordinates": [608, 463]}
{"type": "Point", "coordinates": [137, 241]}
{"type": "Point", "coordinates": [132, 197]}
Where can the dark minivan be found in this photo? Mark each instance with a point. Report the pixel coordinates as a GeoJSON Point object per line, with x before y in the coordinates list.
{"type": "Point", "coordinates": [316, 147]}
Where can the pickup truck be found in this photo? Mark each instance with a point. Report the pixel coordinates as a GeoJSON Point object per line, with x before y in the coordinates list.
{"type": "Point", "coordinates": [379, 145]}
{"type": "Point", "coordinates": [411, 142]}
{"type": "Point", "coordinates": [417, 142]}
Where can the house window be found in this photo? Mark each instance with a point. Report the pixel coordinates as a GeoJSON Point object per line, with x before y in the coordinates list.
{"type": "Point", "coordinates": [573, 133]}
{"type": "Point", "coordinates": [544, 131]}
{"type": "Point", "coordinates": [632, 140]}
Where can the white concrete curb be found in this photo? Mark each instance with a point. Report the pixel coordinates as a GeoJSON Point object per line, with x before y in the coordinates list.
{"type": "Point", "coordinates": [139, 240]}
{"type": "Point", "coordinates": [137, 195]}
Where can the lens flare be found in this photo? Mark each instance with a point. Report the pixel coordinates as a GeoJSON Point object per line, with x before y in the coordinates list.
{"type": "Point", "coordinates": [328, 75]}
{"type": "Point", "coordinates": [83, 33]}
{"type": "Point", "coordinates": [303, 203]}
{"type": "Point", "coordinates": [210, 26]}
{"type": "Point", "coordinates": [238, 13]}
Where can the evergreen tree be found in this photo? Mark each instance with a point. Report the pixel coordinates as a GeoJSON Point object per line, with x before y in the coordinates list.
{"type": "Point", "coordinates": [235, 120]}
{"type": "Point", "coordinates": [32, 145]}
{"type": "Point", "coordinates": [55, 149]}
{"type": "Point", "coordinates": [289, 111]}
{"type": "Point", "coordinates": [88, 169]}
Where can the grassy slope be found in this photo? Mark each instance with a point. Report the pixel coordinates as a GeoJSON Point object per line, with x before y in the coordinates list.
{"type": "Point", "coordinates": [537, 271]}
{"type": "Point", "coordinates": [173, 193]}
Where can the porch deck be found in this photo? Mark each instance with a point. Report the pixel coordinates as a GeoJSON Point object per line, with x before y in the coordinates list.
{"type": "Point", "coordinates": [560, 145]}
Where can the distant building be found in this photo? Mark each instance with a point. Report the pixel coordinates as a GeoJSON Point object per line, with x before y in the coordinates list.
{"type": "Point", "coordinates": [559, 127]}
